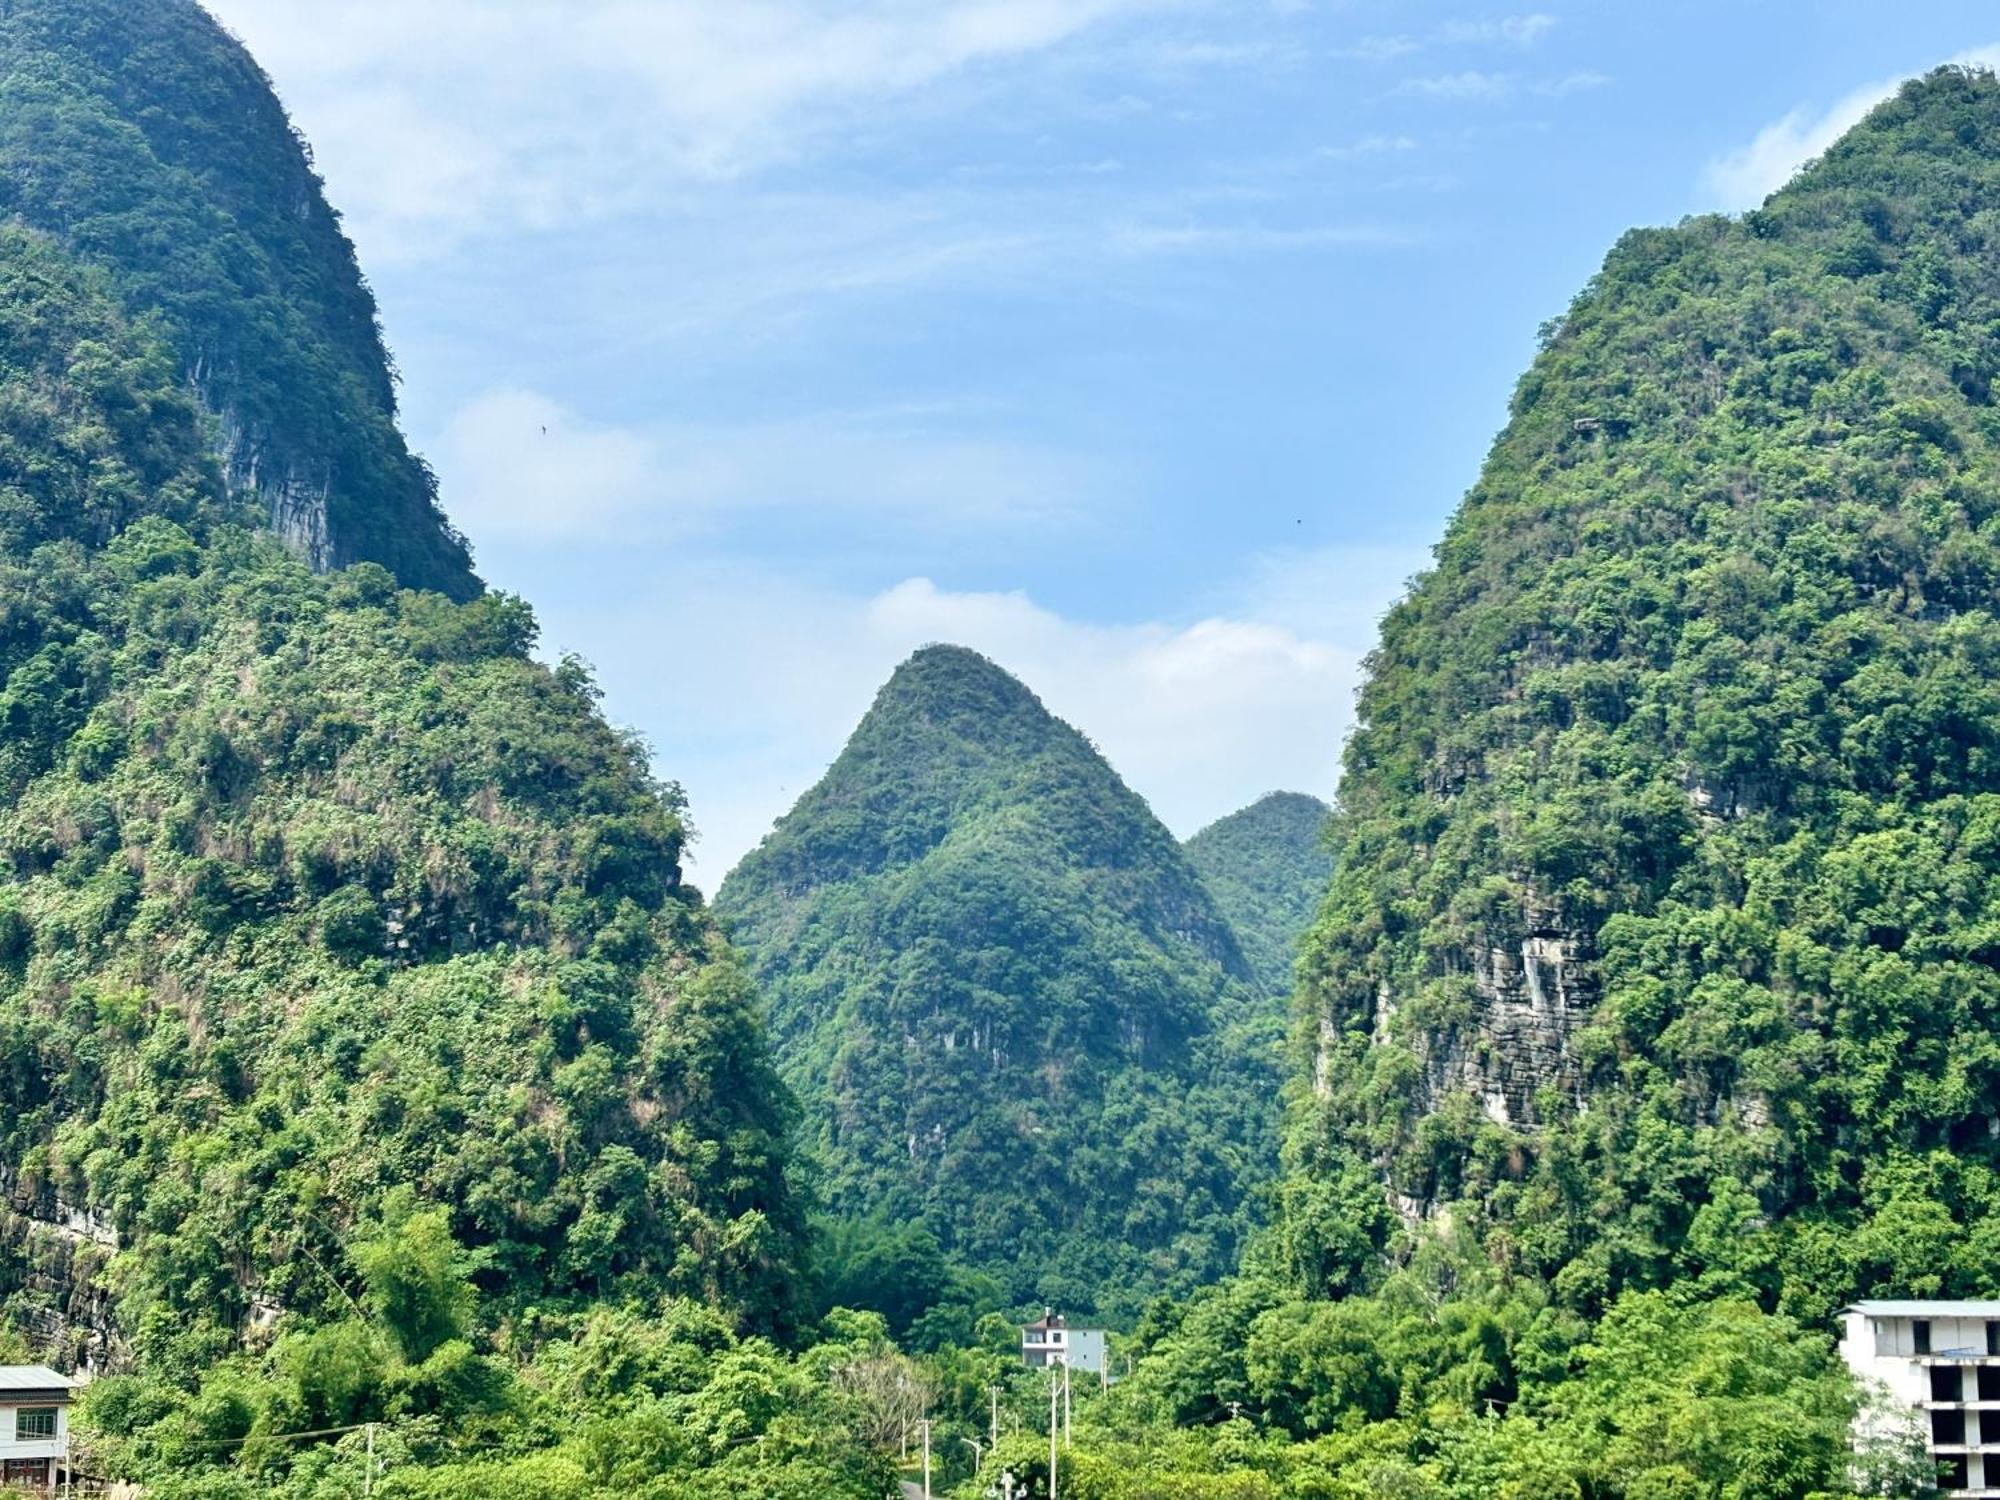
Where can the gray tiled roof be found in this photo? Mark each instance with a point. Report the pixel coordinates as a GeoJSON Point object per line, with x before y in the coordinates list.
{"type": "Point", "coordinates": [32, 1378]}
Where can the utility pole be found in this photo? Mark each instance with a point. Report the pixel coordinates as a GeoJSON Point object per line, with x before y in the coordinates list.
{"type": "Point", "coordinates": [368, 1474]}
{"type": "Point", "coordinates": [1053, 1388]}
{"type": "Point", "coordinates": [927, 1458]}
{"type": "Point", "coordinates": [993, 1393]}
{"type": "Point", "coordinates": [1065, 1403]}
{"type": "Point", "coordinates": [978, 1454]}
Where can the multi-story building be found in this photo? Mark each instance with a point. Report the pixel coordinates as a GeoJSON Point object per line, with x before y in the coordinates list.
{"type": "Point", "coordinates": [1940, 1360]}
{"type": "Point", "coordinates": [1051, 1341]}
{"type": "Point", "coordinates": [34, 1426]}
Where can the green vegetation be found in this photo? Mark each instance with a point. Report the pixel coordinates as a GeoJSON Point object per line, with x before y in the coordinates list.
{"type": "Point", "coordinates": [371, 1081]}
{"type": "Point", "coordinates": [359, 1042]}
{"type": "Point", "coordinates": [1695, 724]}
{"type": "Point", "coordinates": [1268, 867]}
{"type": "Point", "coordinates": [1011, 1010]}
{"type": "Point", "coordinates": [147, 140]}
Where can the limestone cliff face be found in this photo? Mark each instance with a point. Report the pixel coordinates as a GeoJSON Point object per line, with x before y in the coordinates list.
{"type": "Point", "coordinates": [59, 1252]}
{"type": "Point", "coordinates": [1532, 997]}
{"type": "Point", "coordinates": [295, 508]}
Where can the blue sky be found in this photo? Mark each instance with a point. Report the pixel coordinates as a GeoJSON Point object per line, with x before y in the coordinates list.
{"type": "Point", "coordinates": [1143, 344]}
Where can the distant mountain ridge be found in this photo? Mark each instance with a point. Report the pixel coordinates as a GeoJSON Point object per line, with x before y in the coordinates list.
{"type": "Point", "coordinates": [1005, 997]}
{"type": "Point", "coordinates": [1267, 866]}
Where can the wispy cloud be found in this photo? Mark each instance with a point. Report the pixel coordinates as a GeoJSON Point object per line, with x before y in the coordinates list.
{"type": "Point", "coordinates": [1518, 32]}
{"type": "Point", "coordinates": [1513, 31]}
{"type": "Point", "coordinates": [1376, 49]}
{"type": "Point", "coordinates": [430, 118]}
{"type": "Point", "coordinates": [1746, 176]}
{"type": "Point", "coordinates": [1368, 145]}
{"type": "Point", "coordinates": [1468, 84]}
{"type": "Point", "coordinates": [522, 467]}
{"type": "Point", "coordinates": [1477, 86]}
{"type": "Point", "coordinates": [1572, 83]}
{"type": "Point", "coordinates": [1250, 239]}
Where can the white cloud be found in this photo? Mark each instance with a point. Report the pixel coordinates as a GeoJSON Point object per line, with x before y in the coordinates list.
{"type": "Point", "coordinates": [1471, 83]}
{"type": "Point", "coordinates": [1744, 177]}
{"type": "Point", "coordinates": [1380, 48]}
{"type": "Point", "coordinates": [1477, 86]}
{"type": "Point", "coordinates": [1249, 239]}
{"type": "Point", "coordinates": [1514, 31]}
{"type": "Point", "coordinates": [1573, 83]}
{"type": "Point", "coordinates": [1368, 145]}
{"type": "Point", "coordinates": [435, 117]}
{"type": "Point", "coordinates": [519, 466]}
{"type": "Point", "coordinates": [1520, 32]}
{"type": "Point", "coordinates": [1200, 716]}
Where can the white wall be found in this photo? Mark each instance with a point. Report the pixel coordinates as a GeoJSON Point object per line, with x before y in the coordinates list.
{"type": "Point", "coordinates": [12, 1447]}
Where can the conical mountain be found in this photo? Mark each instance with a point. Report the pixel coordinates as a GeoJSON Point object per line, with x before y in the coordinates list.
{"type": "Point", "coordinates": [1001, 992]}
{"type": "Point", "coordinates": [1663, 940]}
{"type": "Point", "coordinates": [1267, 866]}
{"type": "Point", "coordinates": [314, 892]}
{"type": "Point", "coordinates": [144, 138]}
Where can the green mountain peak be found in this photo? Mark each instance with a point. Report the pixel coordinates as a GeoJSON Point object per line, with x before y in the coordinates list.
{"type": "Point", "coordinates": [1666, 834]}
{"type": "Point", "coordinates": [992, 976]}
{"type": "Point", "coordinates": [149, 144]}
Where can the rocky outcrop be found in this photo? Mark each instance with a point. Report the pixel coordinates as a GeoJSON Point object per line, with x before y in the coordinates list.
{"type": "Point", "coordinates": [52, 1258]}
{"type": "Point", "coordinates": [295, 507]}
{"type": "Point", "coordinates": [1532, 995]}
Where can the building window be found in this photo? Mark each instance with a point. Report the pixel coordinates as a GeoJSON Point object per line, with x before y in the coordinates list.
{"type": "Point", "coordinates": [1993, 1338]}
{"type": "Point", "coordinates": [1989, 1430]}
{"type": "Point", "coordinates": [1947, 1429]}
{"type": "Point", "coordinates": [1056, 1338]}
{"type": "Point", "coordinates": [1921, 1332]}
{"type": "Point", "coordinates": [1945, 1383]}
{"type": "Point", "coordinates": [35, 1424]}
{"type": "Point", "coordinates": [1989, 1382]}
{"type": "Point", "coordinates": [1954, 1470]}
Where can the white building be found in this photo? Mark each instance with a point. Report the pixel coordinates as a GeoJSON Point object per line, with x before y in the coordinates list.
{"type": "Point", "coordinates": [34, 1426]}
{"type": "Point", "coordinates": [1051, 1341]}
{"type": "Point", "coordinates": [1942, 1361]}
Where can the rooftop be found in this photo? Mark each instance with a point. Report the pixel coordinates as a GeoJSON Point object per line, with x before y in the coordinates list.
{"type": "Point", "coordinates": [1920, 1308]}
{"type": "Point", "coordinates": [32, 1377]}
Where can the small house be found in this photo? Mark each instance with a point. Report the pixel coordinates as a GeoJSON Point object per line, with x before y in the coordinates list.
{"type": "Point", "coordinates": [1940, 1361]}
{"type": "Point", "coordinates": [1051, 1341]}
{"type": "Point", "coordinates": [34, 1426]}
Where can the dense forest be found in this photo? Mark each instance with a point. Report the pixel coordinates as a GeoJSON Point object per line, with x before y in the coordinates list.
{"type": "Point", "coordinates": [380, 1110]}
{"type": "Point", "coordinates": [1010, 1008]}
{"type": "Point", "coordinates": [1664, 924]}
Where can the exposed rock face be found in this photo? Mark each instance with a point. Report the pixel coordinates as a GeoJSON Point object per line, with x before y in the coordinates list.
{"type": "Point", "coordinates": [295, 508]}
{"type": "Point", "coordinates": [1531, 997]}
{"type": "Point", "coordinates": [52, 1257]}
